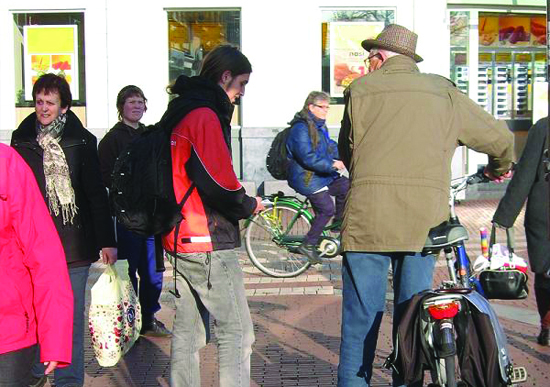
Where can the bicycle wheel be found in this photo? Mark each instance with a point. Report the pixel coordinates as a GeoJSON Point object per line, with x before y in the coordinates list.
{"type": "Point", "coordinates": [269, 243]}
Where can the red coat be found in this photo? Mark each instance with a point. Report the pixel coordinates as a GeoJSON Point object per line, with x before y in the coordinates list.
{"type": "Point", "coordinates": [36, 299]}
{"type": "Point", "coordinates": [211, 214]}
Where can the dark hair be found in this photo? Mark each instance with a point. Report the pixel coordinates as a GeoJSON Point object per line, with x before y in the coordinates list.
{"type": "Point", "coordinates": [125, 93]}
{"type": "Point", "coordinates": [224, 58]}
{"type": "Point", "coordinates": [51, 83]}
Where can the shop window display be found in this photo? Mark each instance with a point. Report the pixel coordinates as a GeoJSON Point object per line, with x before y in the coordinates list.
{"type": "Point", "coordinates": [510, 63]}
{"type": "Point", "coordinates": [49, 43]}
{"type": "Point", "coordinates": [194, 33]}
{"type": "Point", "coordinates": [459, 26]}
{"type": "Point", "coordinates": [191, 35]}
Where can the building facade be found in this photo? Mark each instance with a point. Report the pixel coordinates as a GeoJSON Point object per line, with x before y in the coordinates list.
{"type": "Point", "coordinates": [294, 47]}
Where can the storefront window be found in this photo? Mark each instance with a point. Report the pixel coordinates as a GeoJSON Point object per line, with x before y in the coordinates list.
{"type": "Point", "coordinates": [508, 48]}
{"type": "Point", "coordinates": [49, 43]}
{"type": "Point", "coordinates": [191, 35]}
{"type": "Point", "coordinates": [194, 33]}
{"type": "Point", "coordinates": [510, 63]}
{"type": "Point", "coordinates": [459, 23]}
{"type": "Point", "coordinates": [342, 55]}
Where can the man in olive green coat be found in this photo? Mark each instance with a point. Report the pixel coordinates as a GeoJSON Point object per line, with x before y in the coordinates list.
{"type": "Point", "coordinates": [398, 136]}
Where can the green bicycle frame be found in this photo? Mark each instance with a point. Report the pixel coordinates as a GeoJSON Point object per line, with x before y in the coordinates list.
{"type": "Point", "coordinates": [280, 236]}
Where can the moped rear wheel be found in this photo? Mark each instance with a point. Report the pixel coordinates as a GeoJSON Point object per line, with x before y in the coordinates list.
{"type": "Point", "coordinates": [270, 240]}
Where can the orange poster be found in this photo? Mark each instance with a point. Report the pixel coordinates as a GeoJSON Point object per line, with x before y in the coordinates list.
{"type": "Point", "coordinates": [538, 31]}
{"type": "Point", "coordinates": [514, 31]}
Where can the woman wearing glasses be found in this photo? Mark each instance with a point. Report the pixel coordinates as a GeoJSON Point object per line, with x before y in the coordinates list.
{"type": "Point", "coordinates": [315, 168]}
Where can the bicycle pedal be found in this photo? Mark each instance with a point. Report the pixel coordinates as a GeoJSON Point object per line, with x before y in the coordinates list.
{"type": "Point", "coordinates": [519, 375]}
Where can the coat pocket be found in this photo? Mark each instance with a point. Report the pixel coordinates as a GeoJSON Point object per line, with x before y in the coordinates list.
{"type": "Point", "coordinates": [14, 317]}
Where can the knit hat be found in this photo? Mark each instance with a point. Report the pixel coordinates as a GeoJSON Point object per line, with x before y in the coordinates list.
{"type": "Point", "coordinates": [397, 39]}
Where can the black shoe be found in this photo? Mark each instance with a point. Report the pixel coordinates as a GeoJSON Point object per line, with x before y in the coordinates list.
{"type": "Point", "coordinates": [155, 329]}
{"type": "Point", "coordinates": [335, 226]}
{"type": "Point", "coordinates": [544, 338]}
{"type": "Point", "coordinates": [310, 252]}
{"type": "Point", "coordinates": [38, 381]}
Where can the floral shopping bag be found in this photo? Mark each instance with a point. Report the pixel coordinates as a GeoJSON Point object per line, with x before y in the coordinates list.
{"type": "Point", "coordinates": [115, 315]}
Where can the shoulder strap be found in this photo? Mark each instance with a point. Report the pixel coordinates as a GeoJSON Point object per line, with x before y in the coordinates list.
{"type": "Point", "coordinates": [509, 241]}
{"type": "Point", "coordinates": [176, 293]}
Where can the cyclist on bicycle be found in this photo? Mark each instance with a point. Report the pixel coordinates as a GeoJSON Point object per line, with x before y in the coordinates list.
{"type": "Point", "coordinates": [314, 169]}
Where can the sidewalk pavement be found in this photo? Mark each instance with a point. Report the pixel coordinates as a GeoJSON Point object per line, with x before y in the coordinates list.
{"type": "Point", "coordinates": [297, 326]}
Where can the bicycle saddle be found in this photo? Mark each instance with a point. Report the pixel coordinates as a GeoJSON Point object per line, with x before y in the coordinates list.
{"type": "Point", "coordinates": [444, 235]}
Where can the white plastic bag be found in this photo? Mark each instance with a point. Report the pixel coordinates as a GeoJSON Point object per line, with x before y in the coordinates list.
{"type": "Point", "coordinates": [115, 315]}
{"type": "Point", "coordinates": [500, 259]}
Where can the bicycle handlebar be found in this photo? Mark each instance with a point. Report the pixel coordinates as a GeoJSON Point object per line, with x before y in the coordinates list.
{"type": "Point", "coordinates": [464, 181]}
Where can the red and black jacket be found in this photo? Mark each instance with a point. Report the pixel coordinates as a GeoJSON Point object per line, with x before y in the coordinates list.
{"type": "Point", "coordinates": [201, 156]}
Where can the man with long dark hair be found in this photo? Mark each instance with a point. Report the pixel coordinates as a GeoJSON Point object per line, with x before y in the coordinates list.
{"type": "Point", "coordinates": [209, 279]}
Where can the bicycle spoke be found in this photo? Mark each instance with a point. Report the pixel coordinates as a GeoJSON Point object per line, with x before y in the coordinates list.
{"type": "Point", "coordinates": [270, 249]}
{"type": "Point", "coordinates": [266, 228]}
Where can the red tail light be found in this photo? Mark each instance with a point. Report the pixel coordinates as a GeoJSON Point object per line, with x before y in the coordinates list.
{"type": "Point", "coordinates": [443, 311]}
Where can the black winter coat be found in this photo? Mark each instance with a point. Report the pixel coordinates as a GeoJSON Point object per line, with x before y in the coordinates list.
{"type": "Point", "coordinates": [112, 145]}
{"type": "Point", "coordinates": [528, 183]}
{"type": "Point", "coordinates": [92, 227]}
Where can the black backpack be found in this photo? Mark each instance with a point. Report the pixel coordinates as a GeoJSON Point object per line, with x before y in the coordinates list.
{"type": "Point", "coordinates": [277, 161]}
{"type": "Point", "coordinates": [142, 192]}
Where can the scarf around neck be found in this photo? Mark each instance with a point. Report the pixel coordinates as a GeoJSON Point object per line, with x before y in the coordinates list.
{"type": "Point", "coordinates": [59, 190]}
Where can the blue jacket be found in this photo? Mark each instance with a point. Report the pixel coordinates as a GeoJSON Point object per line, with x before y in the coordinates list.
{"type": "Point", "coordinates": [304, 158]}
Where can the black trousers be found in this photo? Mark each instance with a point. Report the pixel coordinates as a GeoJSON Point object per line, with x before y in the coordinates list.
{"type": "Point", "coordinates": [324, 207]}
{"type": "Point", "coordinates": [15, 366]}
{"type": "Point", "coordinates": [542, 295]}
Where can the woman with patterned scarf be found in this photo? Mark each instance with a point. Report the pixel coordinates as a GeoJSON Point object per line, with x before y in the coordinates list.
{"type": "Point", "coordinates": [314, 169]}
{"type": "Point", "coordinates": [63, 157]}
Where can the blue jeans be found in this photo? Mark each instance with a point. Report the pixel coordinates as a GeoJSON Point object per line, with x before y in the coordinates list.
{"type": "Point", "coordinates": [211, 284]}
{"type": "Point", "coordinates": [73, 375]}
{"type": "Point", "coordinates": [15, 366]}
{"type": "Point", "coordinates": [364, 277]}
{"type": "Point", "coordinates": [140, 253]}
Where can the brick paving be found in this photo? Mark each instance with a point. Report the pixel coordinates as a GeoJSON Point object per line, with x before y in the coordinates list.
{"type": "Point", "coordinates": [297, 326]}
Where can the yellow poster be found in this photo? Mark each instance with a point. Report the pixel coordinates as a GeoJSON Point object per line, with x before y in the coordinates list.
{"type": "Point", "coordinates": [488, 30]}
{"type": "Point", "coordinates": [346, 54]}
{"type": "Point", "coordinates": [51, 49]}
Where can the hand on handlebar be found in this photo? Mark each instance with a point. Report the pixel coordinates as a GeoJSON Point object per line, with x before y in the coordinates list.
{"type": "Point", "coordinates": [338, 164]}
{"type": "Point", "coordinates": [259, 205]}
{"type": "Point", "coordinates": [497, 179]}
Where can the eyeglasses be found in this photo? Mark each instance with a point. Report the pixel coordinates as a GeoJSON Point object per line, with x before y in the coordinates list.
{"type": "Point", "coordinates": [371, 56]}
{"type": "Point", "coordinates": [324, 107]}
